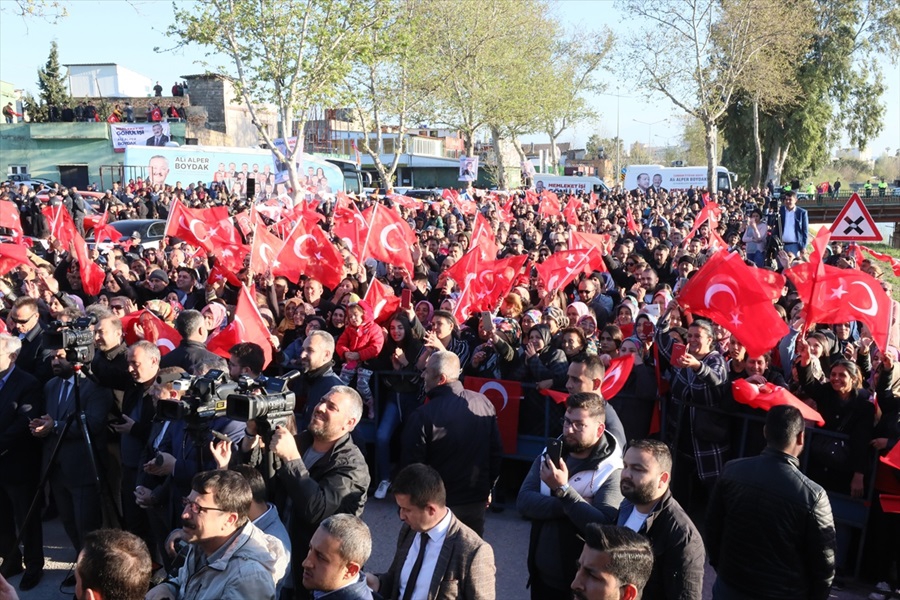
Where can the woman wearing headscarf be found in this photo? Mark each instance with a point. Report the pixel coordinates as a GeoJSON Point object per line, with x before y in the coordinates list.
{"type": "Point", "coordinates": [399, 386]}
{"type": "Point", "coordinates": [529, 320]}
{"type": "Point", "coordinates": [544, 365]}
{"type": "Point", "coordinates": [162, 309]}
{"type": "Point", "coordinates": [424, 312]}
{"type": "Point", "coordinates": [337, 320]}
{"type": "Point", "coordinates": [287, 330]}
{"type": "Point", "coordinates": [216, 316]}
{"type": "Point", "coordinates": [497, 355]}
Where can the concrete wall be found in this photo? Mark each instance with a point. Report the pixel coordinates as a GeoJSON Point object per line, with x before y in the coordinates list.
{"type": "Point", "coordinates": [43, 147]}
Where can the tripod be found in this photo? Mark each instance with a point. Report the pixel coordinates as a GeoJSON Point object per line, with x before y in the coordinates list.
{"type": "Point", "coordinates": [76, 418]}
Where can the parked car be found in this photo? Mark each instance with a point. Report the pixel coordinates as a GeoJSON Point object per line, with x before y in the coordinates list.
{"type": "Point", "coordinates": [152, 232]}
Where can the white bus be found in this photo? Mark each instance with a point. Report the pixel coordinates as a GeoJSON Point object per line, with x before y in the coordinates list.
{"type": "Point", "coordinates": [645, 177]}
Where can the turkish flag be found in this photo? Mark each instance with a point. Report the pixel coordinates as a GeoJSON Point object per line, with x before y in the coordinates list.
{"type": "Point", "coordinates": [221, 228]}
{"type": "Point", "coordinates": [505, 396]}
{"type": "Point", "coordinates": [892, 458]}
{"type": "Point", "coordinates": [483, 238]}
{"type": "Point", "coordinates": [92, 274]}
{"type": "Point", "coordinates": [710, 212]}
{"type": "Point", "coordinates": [383, 301]}
{"type": "Point", "coordinates": [155, 331]}
{"type": "Point", "coordinates": [629, 222]}
{"type": "Point", "coordinates": [242, 219]}
{"type": "Point", "coordinates": [580, 240]}
{"type": "Point", "coordinates": [768, 395]}
{"type": "Point", "coordinates": [307, 250]}
{"type": "Point", "coordinates": [11, 256]}
{"type": "Point", "coordinates": [189, 225]}
{"type": "Point", "coordinates": [531, 197]}
{"type": "Point", "coordinates": [60, 223]}
{"type": "Point", "coordinates": [558, 397]}
{"type": "Point", "coordinates": [10, 217]}
{"type": "Point", "coordinates": [405, 201]}
{"type": "Point", "coordinates": [895, 264]}
{"type": "Point", "coordinates": [549, 206]}
{"type": "Point", "coordinates": [505, 211]}
{"type": "Point", "coordinates": [571, 210]}
{"type": "Point", "coordinates": [616, 375]}
{"type": "Point", "coordinates": [264, 249]}
{"type": "Point", "coordinates": [833, 295]}
{"type": "Point", "coordinates": [103, 232]}
{"type": "Point", "coordinates": [561, 268]}
{"type": "Point", "coordinates": [389, 238]}
{"type": "Point", "coordinates": [467, 264]}
{"type": "Point", "coordinates": [350, 225]}
{"type": "Point", "coordinates": [220, 273]}
{"type": "Point", "coordinates": [247, 326]}
{"type": "Point", "coordinates": [730, 293]}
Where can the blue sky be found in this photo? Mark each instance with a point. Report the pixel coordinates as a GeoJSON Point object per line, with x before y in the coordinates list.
{"type": "Point", "coordinates": [126, 33]}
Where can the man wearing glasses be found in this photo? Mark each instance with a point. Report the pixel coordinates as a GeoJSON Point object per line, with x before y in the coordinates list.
{"type": "Point", "coordinates": [24, 322]}
{"type": "Point", "coordinates": [588, 471]}
{"type": "Point", "coordinates": [228, 557]}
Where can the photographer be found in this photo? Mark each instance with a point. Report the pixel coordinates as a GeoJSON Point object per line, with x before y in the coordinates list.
{"type": "Point", "coordinates": [323, 470]}
{"type": "Point", "coordinates": [71, 477]}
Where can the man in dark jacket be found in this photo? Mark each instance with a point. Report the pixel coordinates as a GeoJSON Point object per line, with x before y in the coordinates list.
{"type": "Point", "coordinates": [650, 509]}
{"type": "Point", "coordinates": [316, 360]}
{"type": "Point", "coordinates": [322, 470]}
{"type": "Point", "coordinates": [33, 358]}
{"type": "Point", "coordinates": [588, 472]}
{"type": "Point", "coordinates": [456, 432]}
{"type": "Point", "coordinates": [769, 529]}
{"type": "Point", "coordinates": [191, 326]}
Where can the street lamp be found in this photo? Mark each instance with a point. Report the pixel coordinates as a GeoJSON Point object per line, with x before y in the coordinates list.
{"type": "Point", "coordinates": [650, 129]}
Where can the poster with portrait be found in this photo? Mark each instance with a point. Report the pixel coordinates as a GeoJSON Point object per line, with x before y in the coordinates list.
{"type": "Point", "coordinates": [468, 168]}
{"type": "Point", "coordinates": [139, 134]}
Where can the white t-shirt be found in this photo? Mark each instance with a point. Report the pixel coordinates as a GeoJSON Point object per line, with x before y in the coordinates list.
{"type": "Point", "coordinates": [789, 227]}
{"type": "Point", "coordinates": [636, 520]}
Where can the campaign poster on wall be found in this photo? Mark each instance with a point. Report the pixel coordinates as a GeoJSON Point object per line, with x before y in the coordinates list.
{"type": "Point", "coordinates": [468, 168]}
{"type": "Point", "coordinates": [138, 134]}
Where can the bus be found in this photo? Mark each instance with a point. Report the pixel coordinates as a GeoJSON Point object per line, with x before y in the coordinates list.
{"type": "Point", "coordinates": [644, 177]}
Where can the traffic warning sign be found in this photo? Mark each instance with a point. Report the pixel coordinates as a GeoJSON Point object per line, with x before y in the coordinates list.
{"type": "Point", "coordinates": [855, 224]}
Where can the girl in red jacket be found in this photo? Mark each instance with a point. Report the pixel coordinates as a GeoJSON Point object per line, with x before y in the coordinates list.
{"type": "Point", "coordinates": [361, 341]}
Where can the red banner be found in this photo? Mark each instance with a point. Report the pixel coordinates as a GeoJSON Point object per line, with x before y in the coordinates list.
{"type": "Point", "coordinates": [505, 396]}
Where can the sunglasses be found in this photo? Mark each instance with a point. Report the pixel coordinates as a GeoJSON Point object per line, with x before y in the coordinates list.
{"type": "Point", "coordinates": [21, 321]}
{"type": "Point", "coordinates": [116, 307]}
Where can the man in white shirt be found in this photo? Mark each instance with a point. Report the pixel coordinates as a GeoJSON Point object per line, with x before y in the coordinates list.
{"type": "Point", "coordinates": [437, 556]}
{"type": "Point", "coordinates": [794, 226]}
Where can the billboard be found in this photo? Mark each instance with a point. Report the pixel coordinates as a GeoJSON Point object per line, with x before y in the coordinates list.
{"type": "Point", "coordinates": [317, 175]}
{"type": "Point", "coordinates": [233, 167]}
{"type": "Point", "coordinates": [138, 134]}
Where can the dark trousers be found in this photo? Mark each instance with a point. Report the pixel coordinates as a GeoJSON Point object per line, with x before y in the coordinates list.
{"type": "Point", "coordinates": [134, 518]}
{"type": "Point", "coordinates": [542, 591]}
{"type": "Point", "coordinates": [471, 514]}
{"type": "Point", "coordinates": [15, 499]}
{"type": "Point", "coordinates": [80, 508]}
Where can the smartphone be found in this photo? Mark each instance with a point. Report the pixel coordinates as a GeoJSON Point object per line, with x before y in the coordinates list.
{"type": "Point", "coordinates": [554, 451]}
{"type": "Point", "coordinates": [406, 299]}
{"type": "Point", "coordinates": [678, 350]}
{"type": "Point", "coordinates": [647, 328]}
{"type": "Point", "coordinates": [487, 321]}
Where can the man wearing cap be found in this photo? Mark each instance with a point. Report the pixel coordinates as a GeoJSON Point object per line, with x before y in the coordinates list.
{"type": "Point", "coordinates": [155, 288]}
{"type": "Point", "coordinates": [186, 281]}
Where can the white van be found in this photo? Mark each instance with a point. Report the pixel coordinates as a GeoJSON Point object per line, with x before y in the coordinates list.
{"type": "Point", "coordinates": [673, 178]}
{"type": "Point", "coordinates": [564, 185]}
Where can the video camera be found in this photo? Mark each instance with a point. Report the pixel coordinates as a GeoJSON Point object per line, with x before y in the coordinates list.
{"type": "Point", "coordinates": [266, 400]}
{"type": "Point", "coordinates": [75, 337]}
{"type": "Point", "coordinates": [204, 398]}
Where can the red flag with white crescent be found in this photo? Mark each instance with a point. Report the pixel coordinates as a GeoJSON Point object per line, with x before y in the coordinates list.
{"type": "Point", "coordinates": [616, 375]}
{"type": "Point", "coordinates": [505, 396]}
{"type": "Point", "coordinates": [389, 238]}
{"type": "Point", "coordinates": [145, 325]}
{"type": "Point", "coordinates": [383, 301]}
{"type": "Point", "coordinates": [247, 326]}
{"type": "Point", "coordinates": [768, 395]}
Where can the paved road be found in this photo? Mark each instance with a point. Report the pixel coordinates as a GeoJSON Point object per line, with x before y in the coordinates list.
{"type": "Point", "coordinates": [507, 532]}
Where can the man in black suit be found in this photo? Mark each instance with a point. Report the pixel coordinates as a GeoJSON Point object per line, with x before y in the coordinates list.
{"type": "Point", "coordinates": [20, 401]}
{"type": "Point", "coordinates": [437, 555]}
{"type": "Point", "coordinates": [191, 326]}
{"type": "Point", "coordinates": [78, 496]}
{"type": "Point", "coordinates": [26, 324]}
{"type": "Point", "coordinates": [157, 139]}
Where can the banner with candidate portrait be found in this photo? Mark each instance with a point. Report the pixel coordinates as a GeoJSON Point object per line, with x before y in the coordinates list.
{"type": "Point", "coordinates": [468, 168]}
{"type": "Point", "coordinates": [139, 134]}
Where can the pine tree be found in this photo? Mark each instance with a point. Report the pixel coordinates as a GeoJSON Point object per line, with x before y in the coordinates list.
{"type": "Point", "coordinates": [52, 86]}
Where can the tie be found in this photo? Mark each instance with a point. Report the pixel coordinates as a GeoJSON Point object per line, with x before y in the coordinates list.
{"type": "Point", "coordinates": [63, 401]}
{"type": "Point", "coordinates": [417, 567]}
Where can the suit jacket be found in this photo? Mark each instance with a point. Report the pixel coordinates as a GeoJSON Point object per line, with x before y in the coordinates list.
{"type": "Point", "coordinates": [163, 140]}
{"type": "Point", "coordinates": [801, 224]}
{"type": "Point", "coordinates": [20, 401]}
{"type": "Point", "coordinates": [72, 460]}
{"type": "Point", "coordinates": [33, 357]}
{"type": "Point", "coordinates": [465, 567]}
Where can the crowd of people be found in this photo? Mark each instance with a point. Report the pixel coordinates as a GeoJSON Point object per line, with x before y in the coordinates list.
{"type": "Point", "coordinates": [265, 511]}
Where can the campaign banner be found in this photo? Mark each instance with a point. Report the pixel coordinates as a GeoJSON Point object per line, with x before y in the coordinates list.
{"type": "Point", "coordinates": [468, 168]}
{"type": "Point", "coordinates": [316, 175]}
{"type": "Point", "coordinates": [238, 169]}
{"type": "Point", "coordinates": [138, 134]}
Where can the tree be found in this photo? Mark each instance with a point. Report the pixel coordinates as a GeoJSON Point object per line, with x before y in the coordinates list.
{"type": "Point", "coordinates": [50, 11]}
{"type": "Point", "coordinates": [293, 54]}
{"type": "Point", "coordinates": [52, 89]}
{"type": "Point", "coordinates": [838, 91]}
{"type": "Point", "coordinates": [696, 53]}
{"type": "Point", "coordinates": [569, 75]}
